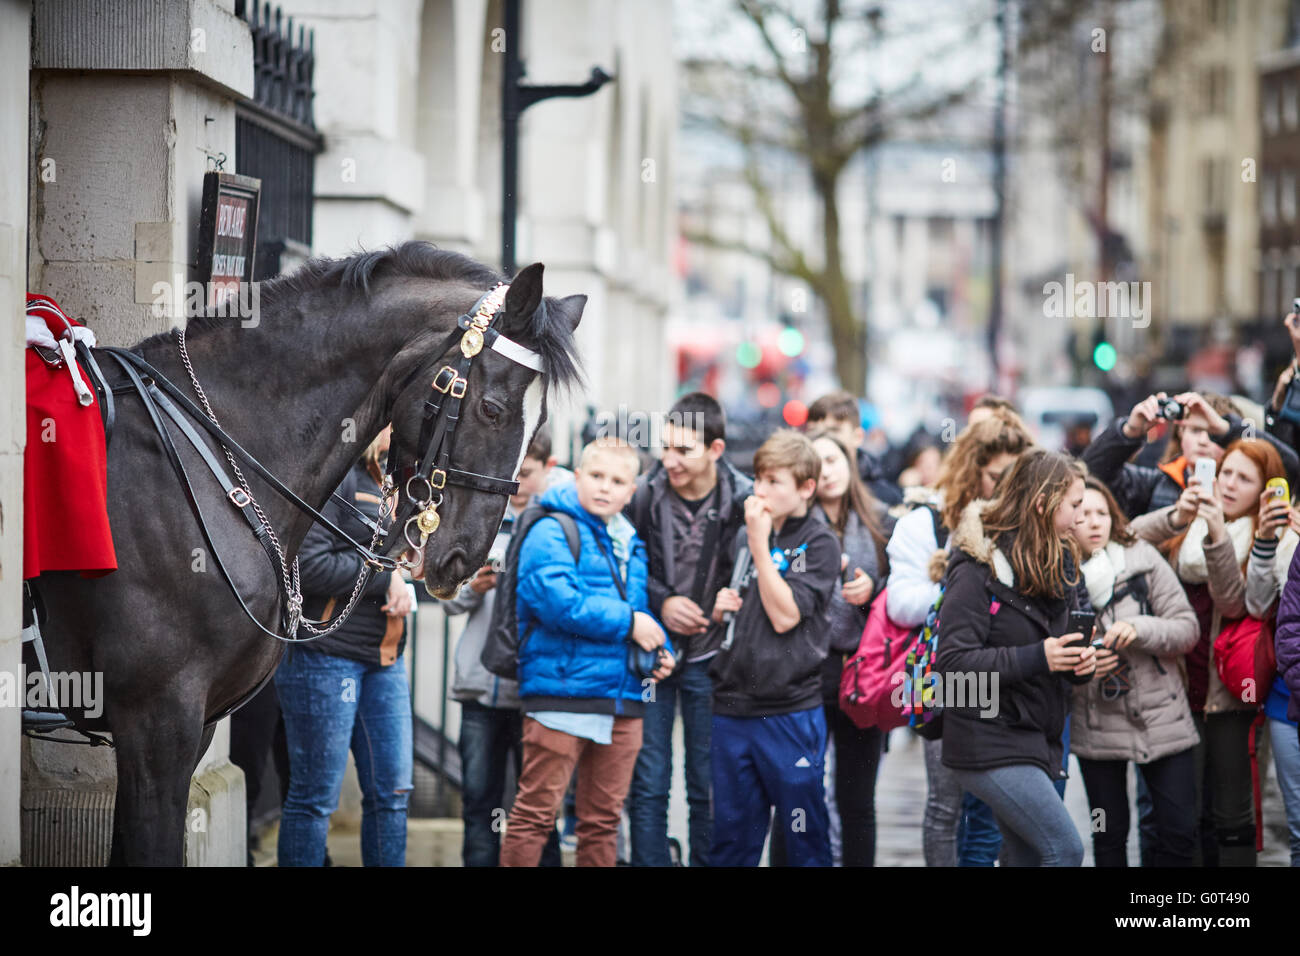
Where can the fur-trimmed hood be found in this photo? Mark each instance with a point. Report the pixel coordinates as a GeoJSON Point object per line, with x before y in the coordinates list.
{"type": "Point", "coordinates": [971, 538]}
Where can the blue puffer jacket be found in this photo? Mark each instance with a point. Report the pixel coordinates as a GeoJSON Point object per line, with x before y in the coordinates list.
{"type": "Point", "coordinates": [574, 627]}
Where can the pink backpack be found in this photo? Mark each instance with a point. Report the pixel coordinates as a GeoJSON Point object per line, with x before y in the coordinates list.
{"type": "Point", "coordinates": [877, 670]}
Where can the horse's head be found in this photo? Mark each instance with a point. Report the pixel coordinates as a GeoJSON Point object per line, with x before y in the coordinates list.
{"type": "Point", "coordinates": [503, 405]}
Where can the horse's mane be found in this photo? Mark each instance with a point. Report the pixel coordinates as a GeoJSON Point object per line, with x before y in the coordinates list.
{"type": "Point", "coordinates": [549, 334]}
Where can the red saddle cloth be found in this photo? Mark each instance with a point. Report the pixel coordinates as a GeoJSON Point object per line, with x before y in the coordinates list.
{"type": "Point", "coordinates": [65, 468]}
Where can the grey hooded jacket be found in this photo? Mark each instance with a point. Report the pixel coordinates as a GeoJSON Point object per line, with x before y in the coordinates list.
{"type": "Point", "coordinates": [1153, 720]}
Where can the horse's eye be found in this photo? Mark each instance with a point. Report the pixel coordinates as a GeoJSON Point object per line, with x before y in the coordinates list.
{"type": "Point", "coordinates": [490, 410]}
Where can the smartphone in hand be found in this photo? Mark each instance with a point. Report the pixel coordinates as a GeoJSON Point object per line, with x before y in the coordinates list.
{"type": "Point", "coordinates": [1203, 472]}
{"type": "Point", "coordinates": [1081, 622]}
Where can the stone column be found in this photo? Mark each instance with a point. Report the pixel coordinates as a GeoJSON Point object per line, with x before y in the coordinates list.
{"type": "Point", "coordinates": [15, 20]}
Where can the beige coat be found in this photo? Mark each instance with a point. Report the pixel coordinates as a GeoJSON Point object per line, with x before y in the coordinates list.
{"type": "Point", "coordinates": [1153, 720]}
{"type": "Point", "coordinates": [1234, 594]}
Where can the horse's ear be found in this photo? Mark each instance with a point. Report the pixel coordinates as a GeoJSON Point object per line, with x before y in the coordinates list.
{"type": "Point", "coordinates": [572, 306]}
{"type": "Point", "coordinates": [524, 296]}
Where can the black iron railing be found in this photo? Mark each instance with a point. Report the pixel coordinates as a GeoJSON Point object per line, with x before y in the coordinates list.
{"type": "Point", "coordinates": [283, 68]}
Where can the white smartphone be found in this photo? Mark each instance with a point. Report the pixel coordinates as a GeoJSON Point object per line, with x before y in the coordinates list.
{"type": "Point", "coordinates": [1203, 472]}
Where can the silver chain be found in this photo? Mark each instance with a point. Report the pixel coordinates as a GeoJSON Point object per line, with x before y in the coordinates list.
{"type": "Point", "coordinates": [292, 588]}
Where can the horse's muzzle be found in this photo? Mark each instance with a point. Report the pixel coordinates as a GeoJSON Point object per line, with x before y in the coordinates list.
{"type": "Point", "coordinates": [444, 576]}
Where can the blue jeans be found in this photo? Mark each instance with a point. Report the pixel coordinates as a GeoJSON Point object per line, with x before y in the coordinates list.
{"type": "Point", "coordinates": [488, 738]}
{"type": "Point", "coordinates": [1286, 761]}
{"type": "Point", "coordinates": [647, 800]}
{"type": "Point", "coordinates": [762, 763]}
{"type": "Point", "coordinates": [329, 704]}
{"type": "Point", "coordinates": [978, 837]}
{"type": "Point", "coordinates": [1036, 828]}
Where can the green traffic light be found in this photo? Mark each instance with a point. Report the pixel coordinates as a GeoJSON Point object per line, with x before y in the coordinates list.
{"type": "Point", "coordinates": [790, 342]}
{"type": "Point", "coordinates": [1103, 356]}
{"type": "Point", "coordinates": [748, 355]}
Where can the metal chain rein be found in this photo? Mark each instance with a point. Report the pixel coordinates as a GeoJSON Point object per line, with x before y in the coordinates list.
{"type": "Point", "coordinates": [292, 588]}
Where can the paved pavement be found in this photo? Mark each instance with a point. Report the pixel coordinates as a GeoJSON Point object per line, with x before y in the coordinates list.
{"type": "Point", "coordinates": [900, 806]}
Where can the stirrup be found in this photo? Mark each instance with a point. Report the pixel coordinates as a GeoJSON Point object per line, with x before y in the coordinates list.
{"type": "Point", "coordinates": [44, 721]}
{"type": "Point", "coordinates": [31, 634]}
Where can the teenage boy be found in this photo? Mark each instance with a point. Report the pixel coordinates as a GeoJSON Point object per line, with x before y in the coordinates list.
{"type": "Point", "coordinates": [837, 413]}
{"type": "Point", "coordinates": [577, 622]}
{"type": "Point", "coordinates": [491, 725]}
{"type": "Point", "coordinates": [769, 731]}
{"type": "Point", "coordinates": [687, 509]}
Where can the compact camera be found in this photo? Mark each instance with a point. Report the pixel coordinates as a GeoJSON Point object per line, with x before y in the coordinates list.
{"type": "Point", "coordinates": [497, 561]}
{"type": "Point", "coordinates": [1171, 409]}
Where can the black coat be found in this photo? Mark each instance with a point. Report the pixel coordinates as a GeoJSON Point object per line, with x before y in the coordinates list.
{"type": "Point", "coordinates": [764, 673]}
{"type": "Point", "coordinates": [873, 476]}
{"type": "Point", "coordinates": [328, 569]}
{"type": "Point", "coordinates": [981, 637]}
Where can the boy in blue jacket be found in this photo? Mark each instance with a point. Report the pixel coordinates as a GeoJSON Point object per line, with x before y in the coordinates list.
{"type": "Point", "coordinates": [577, 622]}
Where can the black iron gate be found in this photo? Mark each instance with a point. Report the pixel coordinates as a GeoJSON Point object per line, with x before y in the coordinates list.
{"type": "Point", "coordinates": [276, 138]}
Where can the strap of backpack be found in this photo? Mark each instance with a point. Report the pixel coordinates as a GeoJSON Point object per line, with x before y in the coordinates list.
{"type": "Point", "coordinates": [571, 535]}
{"type": "Point", "coordinates": [1137, 587]}
{"type": "Point", "coordinates": [613, 568]}
{"type": "Point", "coordinates": [711, 534]}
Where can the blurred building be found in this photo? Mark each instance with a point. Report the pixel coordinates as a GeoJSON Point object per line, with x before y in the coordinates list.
{"type": "Point", "coordinates": [1212, 187]}
{"type": "Point", "coordinates": [1279, 178]}
{"type": "Point", "coordinates": [1075, 209]}
{"type": "Point", "coordinates": [914, 223]}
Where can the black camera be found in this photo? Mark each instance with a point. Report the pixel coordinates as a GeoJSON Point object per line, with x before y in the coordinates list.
{"type": "Point", "coordinates": [642, 663]}
{"type": "Point", "coordinates": [1171, 409]}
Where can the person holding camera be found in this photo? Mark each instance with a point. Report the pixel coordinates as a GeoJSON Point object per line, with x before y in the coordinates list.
{"type": "Point", "coordinates": [491, 725]}
{"type": "Point", "coordinates": [1201, 427]}
{"type": "Point", "coordinates": [1230, 545]}
{"type": "Point", "coordinates": [1135, 710]}
{"type": "Point", "coordinates": [1282, 414]}
{"type": "Point", "coordinates": [1008, 610]}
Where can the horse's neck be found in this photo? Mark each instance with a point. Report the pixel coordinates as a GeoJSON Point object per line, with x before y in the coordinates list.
{"type": "Point", "coordinates": [300, 394]}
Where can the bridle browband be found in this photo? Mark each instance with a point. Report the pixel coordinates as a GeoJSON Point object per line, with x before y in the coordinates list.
{"type": "Point", "coordinates": [164, 400]}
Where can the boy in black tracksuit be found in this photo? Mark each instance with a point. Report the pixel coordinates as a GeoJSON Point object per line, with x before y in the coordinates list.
{"type": "Point", "coordinates": [769, 731]}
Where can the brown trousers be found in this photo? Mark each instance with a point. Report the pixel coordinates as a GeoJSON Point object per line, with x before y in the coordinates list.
{"type": "Point", "coordinates": [604, 775]}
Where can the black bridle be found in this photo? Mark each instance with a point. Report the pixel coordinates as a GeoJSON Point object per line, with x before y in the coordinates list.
{"type": "Point", "coordinates": [474, 331]}
{"type": "Point", "coordinates": [163, 400]}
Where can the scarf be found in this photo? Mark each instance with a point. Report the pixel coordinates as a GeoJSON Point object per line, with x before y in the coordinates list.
{"type": "Point", "coordinates": [1192, 566]}
{"type": "Point", "coordinates": [621, 533]}
{"type": "Point", "coordinates": [1100, 572]}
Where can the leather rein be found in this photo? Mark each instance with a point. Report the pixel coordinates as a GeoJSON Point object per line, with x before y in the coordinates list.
{"type": "Point", "coordinates": [428, 473]}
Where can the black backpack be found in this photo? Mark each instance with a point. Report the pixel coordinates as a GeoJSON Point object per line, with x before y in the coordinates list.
{"type": "Point", "coordinates": [501, 648]}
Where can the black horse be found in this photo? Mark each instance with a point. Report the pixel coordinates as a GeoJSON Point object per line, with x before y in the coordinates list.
{"type": "Point", "coordinates": [336, 350]}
